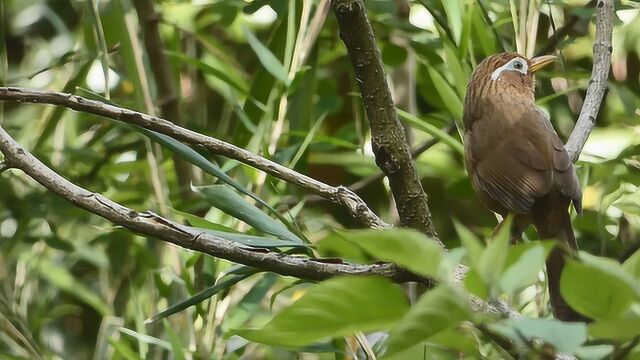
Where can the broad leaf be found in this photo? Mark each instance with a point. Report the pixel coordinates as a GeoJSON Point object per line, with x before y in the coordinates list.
{"type": "Point", "coordinates": [524, 271]}
{"type": "Point", "coordinates": [565, 337]}
{"type": "Point", "coordinates": [617, 329]}
{"type": "Point", "coordinates": [407, 248]}
{"type": "Point", "coordinates": [437, 310]}
{"type": "Point", "coordinates": [614, 292]}
{"type": "Point", "coordinates": [336, 307]}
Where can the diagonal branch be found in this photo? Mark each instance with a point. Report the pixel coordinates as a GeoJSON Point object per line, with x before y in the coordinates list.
{"type": "Point", "coordinates": [387, 135]}
{"type": "Point", "coordinates": [340, 195]}
{"type": "Point", "coordinates": [153, 225]}
{"type": "Point", "coordinates": [598, 83]}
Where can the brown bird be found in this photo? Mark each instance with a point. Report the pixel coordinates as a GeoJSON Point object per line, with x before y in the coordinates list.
{"type": "Point", "coordinates": [516, 162]}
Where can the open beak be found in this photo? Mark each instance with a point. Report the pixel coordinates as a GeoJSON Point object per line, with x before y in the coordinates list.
{"type": "Point", "coordinates": [539, 62]}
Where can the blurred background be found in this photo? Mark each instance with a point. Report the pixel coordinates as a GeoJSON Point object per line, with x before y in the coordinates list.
{"type": "Point", "coordinates": [272, 77]}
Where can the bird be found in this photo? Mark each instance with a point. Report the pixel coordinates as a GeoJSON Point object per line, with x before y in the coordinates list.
{"type": "Point", "coordinates": [517, 163]}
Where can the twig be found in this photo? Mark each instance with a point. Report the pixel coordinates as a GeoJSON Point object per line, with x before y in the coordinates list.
{"type": "Point", "coordinates": [387, 135]}
{"type": "Point", "coordinates": [153, 225]}
{"type": "Point", "coordinates": [340, 195]}
{"type": "Point", "coordinates": [598, 84]}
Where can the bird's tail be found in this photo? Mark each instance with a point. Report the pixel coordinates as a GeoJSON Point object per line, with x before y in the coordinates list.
{"type": "Point", "coordinates": [557, 225]}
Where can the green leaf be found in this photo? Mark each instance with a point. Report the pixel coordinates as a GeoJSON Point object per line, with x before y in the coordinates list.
{"type": "Point", "coordinates": [565, 337]}
{"type": "Point", "coordinates": [615, 290]}
{"type": "Point", "coordinates": [408, 248]}
{"type": "Point", "coordinates": [437, 310]}
{"type": "Point", "coordinates": [336, 307]}
{"type": "Point", "coordinates": [200, 297]}
{"type": "Point", "coordinates": [475, 285]}
{"type": "Point", "coordinates": [494, 256]}
{"type": "Point", "coordinates": [448, 95]}
{"type": "Point", "coordinates": [454, 12]}
{"type": "Point", "coordinates": [227, 200]}
{"type": "Point", "coordinates": [266, 57]}
{"type": "Point", "coordinates": [620, 330]}
{"type": "Point", "coordinates": [524, 271]}
{"type": "Point", "coordinates": [470, 242]}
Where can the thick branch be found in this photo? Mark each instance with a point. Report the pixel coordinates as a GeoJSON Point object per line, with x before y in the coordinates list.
{"type": "Point", "coordinates": [387, 135]}
{"type": "Point", "coordinates": [340, 195]}
{"type": "Point", "coordinates": [153, 225]}
{"type": "Point", "coordinates": [598, 84]}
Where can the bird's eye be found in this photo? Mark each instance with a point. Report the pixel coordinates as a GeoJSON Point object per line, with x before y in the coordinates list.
{"type": "Point", "coordinates": [517, 65]}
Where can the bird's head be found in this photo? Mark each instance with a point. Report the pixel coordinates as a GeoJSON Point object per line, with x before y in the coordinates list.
{"type": "Point", "coordinates": [502, 78]}
{"type": "Point", "coordinates": [509, 72]}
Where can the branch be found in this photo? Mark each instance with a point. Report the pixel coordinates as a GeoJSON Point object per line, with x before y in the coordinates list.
{"type": "Point", "coordinates": [340, 195]}
{"type": "Point", "coordinates": [598, 84]}
{"type": "Point", "coordinates": [153, 225]}
{"type": "Point", "coordinates": [387, 135]}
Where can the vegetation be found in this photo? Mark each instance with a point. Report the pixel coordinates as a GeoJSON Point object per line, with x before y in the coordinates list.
{"type": "Point", "coordinates": [274, 78]}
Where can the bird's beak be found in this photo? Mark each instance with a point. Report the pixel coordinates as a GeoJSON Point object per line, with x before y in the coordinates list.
{"type": "Point", "coordinates": [539, 62]}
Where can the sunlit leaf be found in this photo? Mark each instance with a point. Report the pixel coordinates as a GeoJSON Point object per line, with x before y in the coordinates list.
{"type": "Point", "coordinates": [408, 248]}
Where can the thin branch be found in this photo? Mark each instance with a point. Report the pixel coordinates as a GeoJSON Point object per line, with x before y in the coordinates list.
{"type": "Point", "coordinates": [153, 225]}
{"type": "Point", "coordinates": [340, 195]}
{"type": "Point", "coordinates": [387, 135]}
{"type": "Point", "coordinates": [598, 84]}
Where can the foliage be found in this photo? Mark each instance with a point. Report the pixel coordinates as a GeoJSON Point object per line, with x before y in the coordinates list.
{"type": "Point", "coordinates": [275, 79]}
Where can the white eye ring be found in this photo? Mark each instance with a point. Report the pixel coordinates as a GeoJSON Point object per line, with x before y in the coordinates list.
{"type": "Point", "coordinates": [517, 64]}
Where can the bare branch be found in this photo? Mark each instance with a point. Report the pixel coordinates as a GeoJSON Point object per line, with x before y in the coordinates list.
{"type": "Point", "coordinates": [598, 84]}
{"type": "Point", "coordinates": [340, 195]}
{"type": "Point", "coordinates": [153, 225]}
{"type": "Point", "coordinates": [387, 135]}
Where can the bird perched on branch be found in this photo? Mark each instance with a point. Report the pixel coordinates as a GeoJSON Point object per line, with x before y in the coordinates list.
{"type": "Point", "coordinates": [516, 162]}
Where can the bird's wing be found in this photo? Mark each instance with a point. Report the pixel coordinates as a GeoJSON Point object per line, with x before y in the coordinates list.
{"type": "Point", "coordinates": [565, 177]}
{"type": "Point", "coordinates": [515, 174]}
